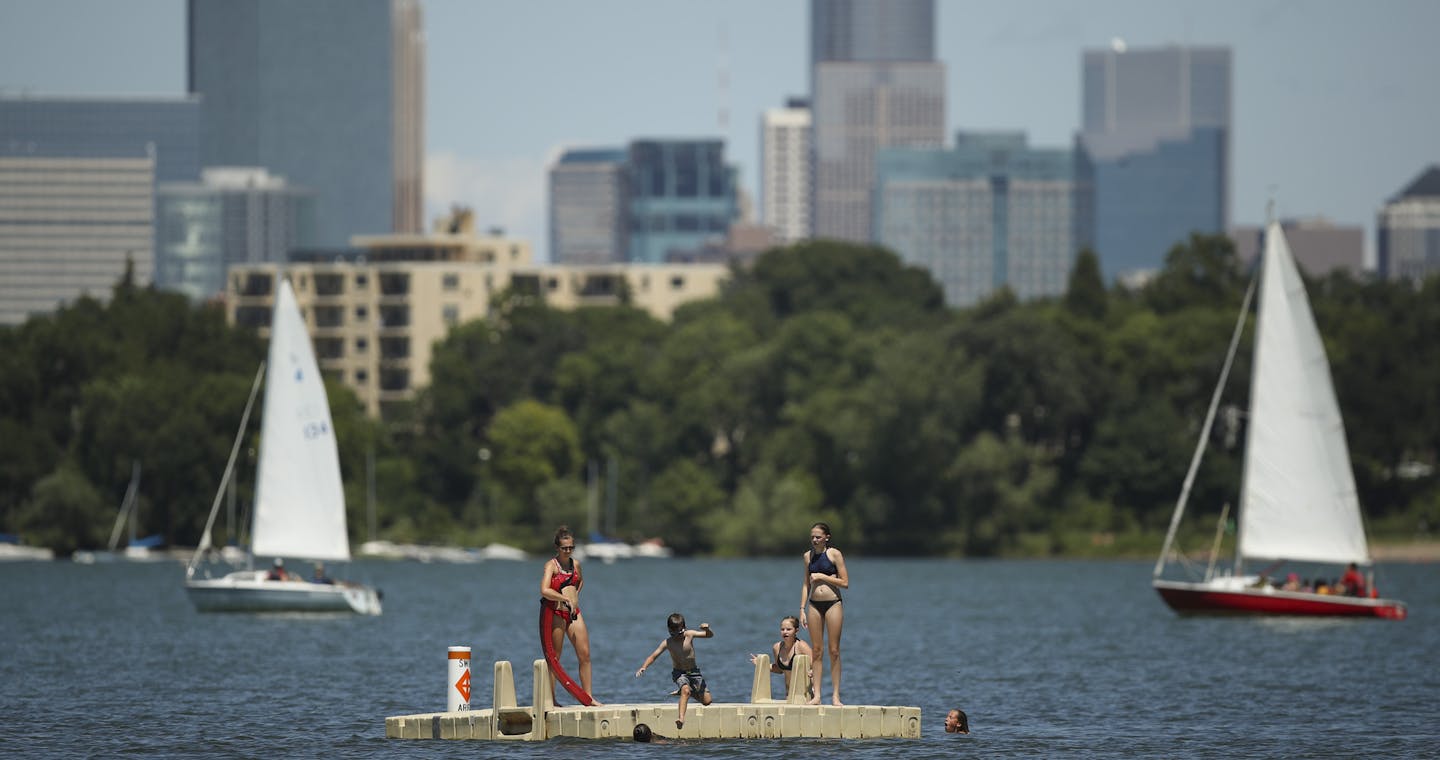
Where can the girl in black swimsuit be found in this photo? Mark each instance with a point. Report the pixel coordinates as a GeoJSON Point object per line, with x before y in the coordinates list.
{"type": "Point", "coordinates": [784, 651]}
{"type": "Point", "coordinates": [821, 606]}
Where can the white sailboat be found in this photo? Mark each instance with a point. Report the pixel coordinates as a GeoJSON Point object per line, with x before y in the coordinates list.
{"type": "Point", "coordinates": [299, 497]}
{"type": "Point", "coordinates": [137, 549]}
{"type": "Point", "coordinates": [1297, 496]}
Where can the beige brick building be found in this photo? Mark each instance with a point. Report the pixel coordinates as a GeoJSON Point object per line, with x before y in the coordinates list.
{"type": "Point", "coordinates": [375, 321]}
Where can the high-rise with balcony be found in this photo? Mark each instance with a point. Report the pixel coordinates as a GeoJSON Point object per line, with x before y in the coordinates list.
{"type": "Point", "coordinates": [1156, 127]}
{"type": "Point", "coordinates": [1408, 230]}
{"type": "Point", "coordinates": [874, 84]}
{"type": "Point", "coordinates": [785, 171]}
{"type": "Point", "coordinates": [327, 93]}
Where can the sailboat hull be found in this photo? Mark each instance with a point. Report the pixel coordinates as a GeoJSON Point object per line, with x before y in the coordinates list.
{"type": "Point", "coordinates": [248, 591]}
{"type": "Point", "coordinates": [1225, 597]}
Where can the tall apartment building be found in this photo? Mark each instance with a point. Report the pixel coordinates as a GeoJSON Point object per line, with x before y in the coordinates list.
{"type": "Point", "coordinates": [375, 319]}
{"type": "Point", "coordinates": [77, 182]}
{"type": "Point", "coordinates": [1408, 230]}
{"type": "Point", "coordinates": [587, 206]}
{"type": "Point", "coordinates": [233, 215]}
{"type": "Point", "coordinates": [991, 212]}
{"type": "Point", "coordinates": [682, 197]}
{"type": "Point", "coordinates": [1318, 245]}
{"type": "Point", "coordinates": [327, 93]}
{"type": "Point", "coordinates": [785, 171]}
{"type": "Point", "coordinates": [874, 84]}
{"type": "Point", "coordinates": [1156, 128]}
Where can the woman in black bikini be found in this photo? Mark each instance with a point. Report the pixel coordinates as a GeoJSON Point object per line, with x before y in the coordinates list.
{"type": "Point", "coordinates": [822, 611]}
{"type": "Point", "coordinates": [784, 651]}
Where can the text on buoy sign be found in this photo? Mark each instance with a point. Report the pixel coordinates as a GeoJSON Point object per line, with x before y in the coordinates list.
{"type": "Point", "coordinates": [458, 680]}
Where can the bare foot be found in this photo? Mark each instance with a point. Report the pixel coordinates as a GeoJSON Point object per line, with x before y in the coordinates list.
{"type": "Point", "coordinates": [836, 701]}
{"type": "Point", "coordinates": [813, 701]}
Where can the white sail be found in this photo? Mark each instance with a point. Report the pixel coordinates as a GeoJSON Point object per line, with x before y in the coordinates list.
{"type": "Point", "coordinates": [299, 498]}
{"type": "Point", "coordinates": [1298, 501]}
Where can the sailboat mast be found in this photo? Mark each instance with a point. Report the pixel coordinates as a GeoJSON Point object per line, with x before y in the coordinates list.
{"type": "Point", "coordinates": [1204, 432]}
{"type": "Point", "coordinates": [225, 479]}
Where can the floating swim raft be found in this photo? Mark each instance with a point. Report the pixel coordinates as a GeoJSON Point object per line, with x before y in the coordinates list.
{"type": "Point", "coordinates": [761, 718]}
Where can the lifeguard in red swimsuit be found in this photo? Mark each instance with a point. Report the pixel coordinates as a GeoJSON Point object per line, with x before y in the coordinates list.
{"type": "Point", "coordinates": [560, 586]}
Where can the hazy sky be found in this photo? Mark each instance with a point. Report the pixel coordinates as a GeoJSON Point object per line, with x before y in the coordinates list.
{"type": "Point", "coordinates": [1336, 102]}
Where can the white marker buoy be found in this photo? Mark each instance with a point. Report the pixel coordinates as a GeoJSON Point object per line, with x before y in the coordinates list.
{"type": "Point", "coordinates": [458, 680]}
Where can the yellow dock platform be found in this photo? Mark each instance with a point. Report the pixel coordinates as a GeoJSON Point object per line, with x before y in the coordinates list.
{"type": "Point", "coordinates": [760, 718]}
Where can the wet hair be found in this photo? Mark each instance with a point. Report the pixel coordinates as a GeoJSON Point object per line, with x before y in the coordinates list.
{"type": "Point", "coordinates": [562, 533]}
{"type": "Point", "coordinates": [642, 732]}
{"type": "Point", "coordinates": [676, 622]}
{"type": "Point", "coordinates": [964, 722]}
{"type": "Point", "coordinates": [823, 529]}
{"type": "Point", "coordinates": [795, 621]}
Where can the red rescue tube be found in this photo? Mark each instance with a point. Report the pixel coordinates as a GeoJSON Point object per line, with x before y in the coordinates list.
{"type": "Point", "coordinates": [547, 615]}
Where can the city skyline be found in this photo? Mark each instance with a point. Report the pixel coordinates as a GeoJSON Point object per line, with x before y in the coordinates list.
{"type": "Point", "coordinates": [1321, 131]}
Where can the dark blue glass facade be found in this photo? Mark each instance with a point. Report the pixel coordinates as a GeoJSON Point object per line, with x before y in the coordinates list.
{"type": "Point", "coordinates": [106, 128]}
{"type": "Point", "coordinates": [682, 196]}
{"type": "Point", "coordinates": [305, 90]}
{"type": "Point", "coordinates": [1147, 201]}
{"type": "Point", "coordinates": [1156, 127]}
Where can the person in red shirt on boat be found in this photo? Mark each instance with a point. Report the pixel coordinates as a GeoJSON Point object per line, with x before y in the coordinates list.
{"type": "Point", "coordinates": [1352, 582]}
{"type": "Point", "coordinates": [278, 572]}
{"type": "Point", "coordinates": [560, 585]}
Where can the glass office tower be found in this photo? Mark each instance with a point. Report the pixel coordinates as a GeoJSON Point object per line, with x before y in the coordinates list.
{"type": "Point", "coordinates": [1156, 126]}
{"type": "Point", "coordinates": [874, 83]}
{"type": "Point", "coordinates": [327, 93]}
{"type": "Point", "coordinates": [77, 189]}
{"type": "Point", "coordinates": [682, 197]}
{"type": "Point", "coordinates": [1408, 230]}
{"type": "Point", "coordinates": [587, 207]}
{"type": "Point", "coordinates": [989, 213]}
{"type": "Point", "coordinates": [234, 215]}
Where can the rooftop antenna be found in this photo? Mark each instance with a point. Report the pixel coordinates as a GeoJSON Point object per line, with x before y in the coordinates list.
{"type": "Point", "coordinates": [722, 83]}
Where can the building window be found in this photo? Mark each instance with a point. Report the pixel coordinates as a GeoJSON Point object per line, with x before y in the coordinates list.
{"type": "Point", "coordinates": [450, 313]}
{"type": "Point", "coordinates": [362, 313]}
{"type": "Point", "coordinates": [329, 316]}
{"type": "Point", "coordinates": [450, 282]}
{"type": "Point", "coordinates": [394, 348]}
{"type": "Point", "coordinates": [257, 285]}
{"type": "Point", "coordinates": [677, 282]}
{"type": "Point", "coordinates": [397, 284]}
{"type": "Point", "coordinates": [395, 316]}
{"type": "Point", "coordinates": [362, 345]}
{"type": "Point", "coordinates": [329, 348]}
{"type": "Point", "coordinates": [329, 284]}
{"type": "Point", "coordinates": [395, 380]}
{"type": "Point", "coordinates": [362, 376]}
{"type": "Point", "coordinates": [252, 316]}
{"type": "Point", "coordinates": [362, 281]}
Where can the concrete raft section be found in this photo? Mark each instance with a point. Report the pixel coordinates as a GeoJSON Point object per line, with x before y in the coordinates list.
{"type": "Point", "coordinates": [760, 718]}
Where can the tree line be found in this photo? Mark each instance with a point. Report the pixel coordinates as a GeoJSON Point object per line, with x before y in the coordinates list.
{"type": "Point", "coordinates": [826, 382]}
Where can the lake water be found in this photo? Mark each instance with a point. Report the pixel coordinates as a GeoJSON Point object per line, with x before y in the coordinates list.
{"type": "Point", "coordinates": [1047, 658]}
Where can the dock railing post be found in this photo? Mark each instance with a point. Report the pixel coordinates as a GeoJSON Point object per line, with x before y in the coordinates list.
{"type": "Point", "coordinates": [799, 680]}
{"type": "Point", "coordinates": [760, 684]}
